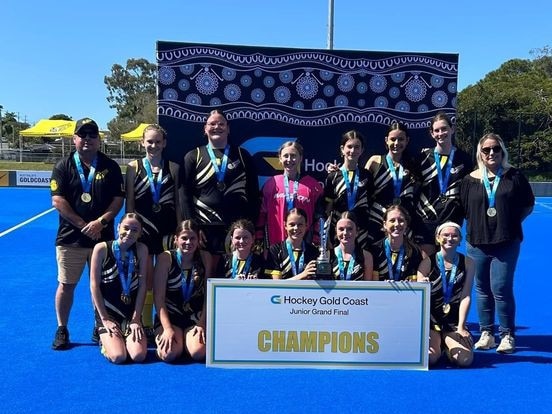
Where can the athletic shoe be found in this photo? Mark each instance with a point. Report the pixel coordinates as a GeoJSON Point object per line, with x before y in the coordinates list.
{"type": "Point", "coordinates": [507, 344]}
{"type": "Point", "coordinates": [95, 335]}
{"type": "Point", "coordinates": [486, 341]}
{"type": "Point", "coordinates": [61, 340]}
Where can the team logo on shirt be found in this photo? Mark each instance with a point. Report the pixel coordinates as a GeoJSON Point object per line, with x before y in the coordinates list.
{"type": "Point", "coordinates": [53, 185]}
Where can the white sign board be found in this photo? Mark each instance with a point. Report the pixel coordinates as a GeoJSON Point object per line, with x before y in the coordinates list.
{"type": "Point", "coordinates": [32, 178]}
{"type": "Point", "coordinates": [317, 324]}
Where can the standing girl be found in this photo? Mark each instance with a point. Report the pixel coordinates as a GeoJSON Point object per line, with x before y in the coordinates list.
{"type": "Point", "coordinates": [284, 192]}
{"type": "Point", "coordinates": [451, 277]}
{"type": "Point", "coordinates": [349, 188]}
{"type": "Point", "coordinates": [293, 258]}
{"type": "Point", "coordinates": [179, 293]}
{"type": "Point", "coordinates": [118, 291]}
{"type": "Point", "coordinates": [440, 171]}
{"type": "Point", "coordinates": [393, 180]}
{"type": "Point", "coordinates": [152, 193]}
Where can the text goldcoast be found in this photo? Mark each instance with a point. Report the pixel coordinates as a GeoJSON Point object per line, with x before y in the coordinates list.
{"type": "Point", "coordinates": [324, 300]}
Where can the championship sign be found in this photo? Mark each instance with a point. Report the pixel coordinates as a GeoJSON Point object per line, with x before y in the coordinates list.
{"type": "Point", "coordinates": [317, 324]}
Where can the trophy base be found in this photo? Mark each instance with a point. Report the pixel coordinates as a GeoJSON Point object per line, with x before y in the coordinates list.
{"type": "Point", "coordinates": [323, 270]}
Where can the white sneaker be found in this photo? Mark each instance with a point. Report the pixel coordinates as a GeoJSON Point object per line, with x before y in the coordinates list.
{"type": "Point", "coordinates": [486, 341]}
{"type": "Point", "coordinates": [507, 344]}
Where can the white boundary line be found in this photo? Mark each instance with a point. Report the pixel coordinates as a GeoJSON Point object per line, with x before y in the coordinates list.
{"type": "Point", "coordinates": [26, 222]}
{"type": "Point", "coordinates": [545, 205]}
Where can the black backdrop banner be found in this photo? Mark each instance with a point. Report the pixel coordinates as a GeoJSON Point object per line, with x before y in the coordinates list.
{"type": "Point", "coordinates": [272, 95]}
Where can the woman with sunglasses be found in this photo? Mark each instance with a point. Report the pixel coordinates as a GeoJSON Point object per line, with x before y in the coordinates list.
{"type": "Point", "coordinates": [496, 198]}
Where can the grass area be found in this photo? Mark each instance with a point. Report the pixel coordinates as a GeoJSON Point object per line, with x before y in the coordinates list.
{"type": "Point", "coordinates": [29, 166]}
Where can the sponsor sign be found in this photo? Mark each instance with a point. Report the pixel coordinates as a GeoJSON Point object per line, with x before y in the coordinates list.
{"type": "Point", "coordinates": [317, 324]}
{"type": "Point", "coordinates": [32, 178]}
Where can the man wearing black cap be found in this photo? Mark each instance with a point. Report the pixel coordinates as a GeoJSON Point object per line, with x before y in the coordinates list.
{"type": "Point", "coordinates": [87, 190]}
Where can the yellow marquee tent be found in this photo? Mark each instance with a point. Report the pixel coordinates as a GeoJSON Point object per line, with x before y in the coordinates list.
{"type": "Point", "coordinates": [135, 134]}
{"type": "Point", "coordinates": [50, 128]}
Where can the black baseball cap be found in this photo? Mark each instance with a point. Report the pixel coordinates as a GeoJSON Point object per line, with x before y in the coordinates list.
{"type": "Point", "coordinates": [86, 124]}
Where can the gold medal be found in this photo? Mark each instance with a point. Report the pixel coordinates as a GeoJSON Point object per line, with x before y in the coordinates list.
{"type": "Point", "coordinates": [446, 308]}
{"type": "Point", "coordinates": [156, 208]}
{"type": "Point", "coordinates": [86, 197]}
{"type": "Point", "coordinates": [221, 186]}
{"type": "Point", "coordinates": [125, 299]}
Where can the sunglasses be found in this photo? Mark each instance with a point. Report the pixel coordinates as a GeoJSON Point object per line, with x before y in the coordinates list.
{"type": "Point", "coordinates": [487, 150]}
{"type": "Point", "coordinates": [91, 135]}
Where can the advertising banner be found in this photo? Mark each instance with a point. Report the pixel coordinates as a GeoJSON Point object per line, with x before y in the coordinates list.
{"type": "Point", "coordinates": [33, 178]}
{"type": "Point", "coordinates": [272, 95]}
{"type": "Point", "coordinates": [317, 324]}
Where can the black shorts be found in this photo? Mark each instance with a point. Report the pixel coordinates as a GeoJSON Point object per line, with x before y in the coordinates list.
{"type": "Point", "coordinates": [216, 238]}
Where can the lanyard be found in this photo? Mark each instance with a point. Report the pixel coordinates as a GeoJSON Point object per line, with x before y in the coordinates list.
{"type": "Point", "coordinates": [124, 267]}
{"type": "Point", "coordinates": [290, 198]}
{"type": "Point", "coordinates": [245, 268]}
{"type": "Point", "coordinates": [351, 192]}
{"type": "Point", "coordinates": [86, 182]}
{"type": "Point", "coordinates": [187, 283]}
{"type": "Point", "coordinates": [397, 176]}
{"type": "Point", "coordinates": [220, 172]}
{"type": "Point", "coordinates": [296, 268]}
{"type": "Point", "coordinates": [447, 283]}
{"type": "Point", "coordinates": [155, 184]}
{"type": "Point", "coordinates": [443, 176]}
{"type": "Point", "coordinates": [491, 190]}
{"type": "Point", "coordinates": [394, 275]}
{"type": "Point", "coordinates": [341, 264]}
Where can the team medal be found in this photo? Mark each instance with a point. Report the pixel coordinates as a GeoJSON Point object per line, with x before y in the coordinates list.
{"type": "Point", "coordinates": [86, 181]}
{"type": "Point", "coordinates": [219, 171]}
{"type": "Point", "coordinates": [125, 268]}
{"type": "Point", "coordinates": [446, 308]}
{"type": "Point", "coordinates": [491, 190]}
{"type": "Point", "coordinates": [156, 208]}
{"type": "Point", "coordinates": [397, 201]}
{"type": "Point", "coordinates": [397, 176]}
{"type": "Point", "coordinates": [125, 299]}
{"type": "Point", "coordinates": [443, 175]}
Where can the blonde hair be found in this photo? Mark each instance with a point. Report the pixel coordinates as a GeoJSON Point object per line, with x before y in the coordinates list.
{"type": "Point", "coordinates": [505, 164]}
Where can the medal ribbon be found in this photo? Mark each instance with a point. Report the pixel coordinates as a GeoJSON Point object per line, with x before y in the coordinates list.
{"type": "Point", "coordinates": [124, 267]}
{"type": "Point", "coordinates": [341, 264]}
{"type": "Point", "coordinates": [188, 287]}
{"type": "Point", "coordinates": [396, 175]}
{"type": "Point", "coordinates": [290, 198]}
{"type": "Point", "coordinates": [86, 182]}
{"type": "Point", "coordinates": [491, 191]}
{"type": "Point", "coordinates": [398, 263]}
{"type": "Point", "coordinates": [245, 269]}
{"type": "Point", "coordinates": [294, 268]}
{"type": "Point", "coordinates": [448, 284]}
{"type": "Point", "coordinates": [351, 192]}
{"type": "Point", "coordinates": [220, 172]}
{"type": "Point", "coordinates": [443, 176]}
{"type": "Point", "coordinates": [155, 184]}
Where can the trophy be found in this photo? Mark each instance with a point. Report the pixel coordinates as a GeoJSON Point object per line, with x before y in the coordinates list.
{"type": "Point", "coordinates": [323, 266]}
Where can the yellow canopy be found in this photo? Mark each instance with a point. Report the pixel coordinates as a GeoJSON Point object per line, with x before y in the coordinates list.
{"type": "Point", "coordinates": [135, 134]}
{"type": "Point", "coordinates": [50, 128]}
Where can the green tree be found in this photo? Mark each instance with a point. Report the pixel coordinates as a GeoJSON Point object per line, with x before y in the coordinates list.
{"type": "Point", "coordinates": [132, 93]}
{"type": "Point", "coordinates": [514, 101]}
{"type": "Point", "coordinates": [62, 117]}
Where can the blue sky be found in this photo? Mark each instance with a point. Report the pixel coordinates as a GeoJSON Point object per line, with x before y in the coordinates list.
{"type": "Point", "coordinates": [54, 55]}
